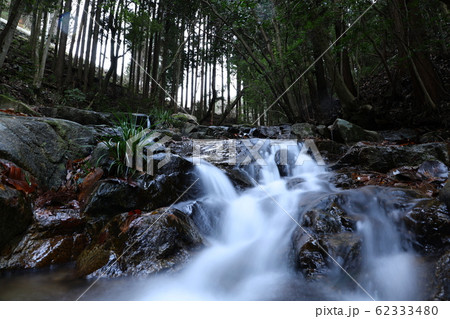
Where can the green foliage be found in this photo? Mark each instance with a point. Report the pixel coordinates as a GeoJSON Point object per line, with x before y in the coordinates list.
{"type": "Point", "coordinates": [118, 143]}
{"type": "Point", "coordinates": [74, 97]}
{"type": "Point", "coordinates": [162, 117]}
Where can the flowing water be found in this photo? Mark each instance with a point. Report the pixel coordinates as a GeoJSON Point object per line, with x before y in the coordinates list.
{"type": "Point", "coordinates": [250, 237]}
{"type": "Point", "coordinates": [249, 241]}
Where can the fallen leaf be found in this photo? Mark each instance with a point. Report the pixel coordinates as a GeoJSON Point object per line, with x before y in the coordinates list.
{"type": "Point", "coordinates": [88, 184]}
{"type": "Point", "coordinates": [15, 177]}
{"type": "Point", "coordinates": [12, 112]}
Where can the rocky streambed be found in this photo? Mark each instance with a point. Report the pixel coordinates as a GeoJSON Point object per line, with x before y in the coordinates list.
{"type": "Point", "coordinates": [64, 216]}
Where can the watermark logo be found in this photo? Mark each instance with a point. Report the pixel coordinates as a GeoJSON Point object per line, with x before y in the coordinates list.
{"type": "Point", "coordinates": [144, 146]}
{"type": "Point", "coordinates": [256, 151]}
{"type": "Point", "coordinates": [146, 152]}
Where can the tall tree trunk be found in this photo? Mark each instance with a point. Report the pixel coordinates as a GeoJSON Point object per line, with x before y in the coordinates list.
{"type": "Point", "coordinates": [15, 12]}
{"type": "Point", "coordinates": [113, 24]}
{"type": "Point", "coordinates": [34, 38]}
{"type": "Point", "coordinates": [209, 116]}
{"type": "Point", "coordinates": [90, 39]}
{"type": "Point", "coordinates": [82, 39]}
{"type": "Point", "coordinates": [70, 62]}
{"type": "Point", "coordinates": [61, 59]}
{"type": "Point", "coordinates": [58, 35]}
{"type": "Point", "coordinates": [39, 75]}
{"type": "Point", "coordinates": [89, 81]}
{"type": "Point", "coordinates": [427, 86]}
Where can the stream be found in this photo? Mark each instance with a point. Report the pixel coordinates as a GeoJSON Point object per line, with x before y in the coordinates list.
{"type": "Point", "coordinates": [249, 251]}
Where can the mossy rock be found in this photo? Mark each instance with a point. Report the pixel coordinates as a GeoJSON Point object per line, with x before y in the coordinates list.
{"type": "Point", "coordinates": [183, 117]}
{"type": "Point", "coordinates": [10, 103]}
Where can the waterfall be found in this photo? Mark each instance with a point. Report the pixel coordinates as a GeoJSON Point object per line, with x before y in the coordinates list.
{"type": "Point", "coordinates": [247, 257]}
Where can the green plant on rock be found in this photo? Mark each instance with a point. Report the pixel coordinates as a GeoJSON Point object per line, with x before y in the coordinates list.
{"type": "Point", "coordinates": [118, 144]}
{"type": "Point", "coordinates": [162, 117]}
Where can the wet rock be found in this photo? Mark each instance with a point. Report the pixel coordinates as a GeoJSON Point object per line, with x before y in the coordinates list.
{"type": "Point", "coordinates": [325, 229]}
{"type": "Point", "coordinates": [315, 257]}
{"type": "Point", "coordinates": [343, 179]}
{"type": "Point", "coordinates": [329, 224]}
{"type": "Point", "coordinates": [433, 170]}
{"type": "Point", "coordinates": [325, 215]}
{"type": "Point", "coordinates": [171, 177]}
{"type": "Point", "coordinates": [150, 242]}
{"type": "Point", "coordinates": [244, 130]}
{"type": "Point", "coordinates": [331, 150]}
{"type": "Point", "coordinates": [15, 213]}
{"type": "Point", "coordinates": [442, 275]}
{"type": "Point", "coordinates": [436, 136]}
{"type": "Point", "coordinates": [429, 224]}
{"type": "Point", "coordinates": [83, 117]}
{"type": "Point", "coordinates": [285, 161]}
{"type": "Point", "coordinates": [382, 158]}
{"type": "Point", "coordinates": [444, 194]}
{"type": "Point", "coordinates": [402, 135]}
{"type": "Point", "coordinates": [56, 237]}
{"type": "Point", "coordinates": [111, 197]}
{"type": "Point", "coordinates": [33, 251]}
{"type": "Point", "coordinates": [322, 222]}
{"type": "Point", "coordinates": [60, 221]}
{"type": "Point", "coordinates": [174, 175]}
{"type": "Point", "coordinates": [349, 133]}
{"type": "Point", "coordinates": [198, 135]}
{"type": "Point", "coordinates": [323, 131]}
{"type": "Point", "coordinates": [271, 132]}
{"type": "Point", "coordinates": [311, 260]}
{"type": "Point", "coordinates": [346, 249]}
{"type": "Point", "coordinates": [239, 177]}
{"type": "Point", "coordinates": [188, 127]}
{"type": "Point", "coordinates": [100, 155]}
{"type": "Point", "coordinates": [304, 130]}
{"type": "Point", "coordinates": [197, 210]}
{"type": "Point", "coordinates": [43, 146]}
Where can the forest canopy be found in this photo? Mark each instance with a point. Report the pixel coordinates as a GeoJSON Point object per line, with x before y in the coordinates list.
{"type": "Point", "coordinates": [258, 61]}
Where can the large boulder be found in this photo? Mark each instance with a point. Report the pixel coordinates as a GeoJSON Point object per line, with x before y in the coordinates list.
{"type": "Point", "coordinates": [185, 117]}
{"type": "Point", "coordinates": [15, 213]}
{"type": "Point", "coordinates": [171, 177]}
{"type": "Point", "coordinates": [271, 132]}
{"type": "Point", "coordinates": [429, 224]}
{"type": "Point", "coordinates": [326, 230]}
{"type": "Point", "coordinates": [382, 158]}
{"type": "Point", "coordinates": [56, 237]}
{"type": "Point", "coordinates": [344, 131]}
{"type": "Point", "coordinates": [146, 242]}
{"type": "Point", "coordinates": [83, 117]}
{"type": "Point", "coordinates": [43, 146]}
{"type": "Point", "coordinates": [304, 130]}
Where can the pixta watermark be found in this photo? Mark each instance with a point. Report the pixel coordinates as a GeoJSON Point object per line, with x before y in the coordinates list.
{"type": "Point", "coordinates": [148, 151]}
